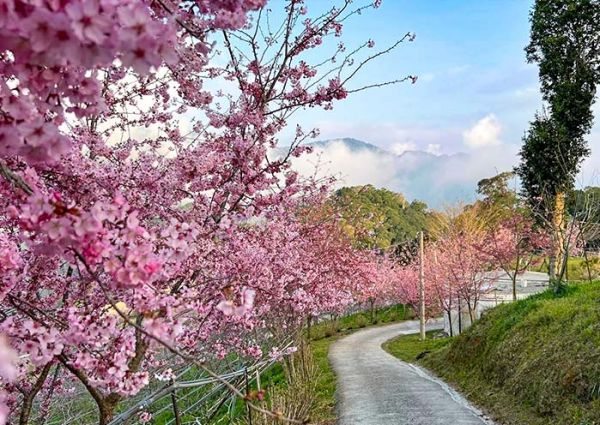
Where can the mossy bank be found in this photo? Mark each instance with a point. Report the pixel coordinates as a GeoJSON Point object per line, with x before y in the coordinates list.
{"type": "Point", "coordinates": [535, 361]}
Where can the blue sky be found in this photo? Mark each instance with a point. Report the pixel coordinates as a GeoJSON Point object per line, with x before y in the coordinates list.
{"type": "Point", "coordinates": [469, 57]}
{"type": "Point", "coordinates": [476, 94]}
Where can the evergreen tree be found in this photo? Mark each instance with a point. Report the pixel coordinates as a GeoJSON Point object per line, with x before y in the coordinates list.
{"type": "Point", "coordinates": [565, 43]}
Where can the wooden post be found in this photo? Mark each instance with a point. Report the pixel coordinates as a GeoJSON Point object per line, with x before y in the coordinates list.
{"type": "Point", "coordinates": [421, 287]}
{"type": "Point", "coordinates": [248, 408]}
{"type": "Point", "coordinates": [174, 404]}
{"type": "Point", "coordinates": [459, 316]}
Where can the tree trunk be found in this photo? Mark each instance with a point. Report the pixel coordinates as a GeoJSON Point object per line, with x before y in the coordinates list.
{"type": "Point", "coordinates": [558, 230]}
{"type": "Point", "coordinates": [564, 269]}
{"type": "Point", "coordinates": [514, 286]}
{"type": "Point", "coordinates": [28, 397]}
{"type": "Point", "coordinates": [106, 405]}
{"type": "Point", "coordinates": [587, 265]}
{"type": "Point", "coordinates": [471, 312]}
{"type": "Point", "coordinates": [459, 317]}
{"type": "Point", "coordinates": [107, 408]}
{"type": "Point", "coordinates": [175, 406]}
{"type": "Point", "coordinates": [106, 414]}
{"type": "Point", "coordinates": [450, 322]}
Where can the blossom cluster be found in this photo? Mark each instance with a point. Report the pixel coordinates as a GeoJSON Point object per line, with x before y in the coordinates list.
{"type": "Point", "coordinates": [54, 55]}
{"type": "Point", "coordinates": [129, 228]}
{"type": "Point", "coordinates": [51, 54]}
{"type": "Point", "coordinates": [106, 234]}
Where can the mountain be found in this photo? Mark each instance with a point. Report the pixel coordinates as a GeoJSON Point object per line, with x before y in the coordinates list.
{"type": "Point", "coordinates": [438, 180]}
{"type": "Point", "coordinates": [353, 145]}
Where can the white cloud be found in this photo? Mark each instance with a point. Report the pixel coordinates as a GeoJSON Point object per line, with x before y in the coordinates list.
{"type": "Point", "coordinates": [350, 167]}
{"type": "Point", "coordinates": [486, 132]}
{"type": "Point", "coordinates": [468, 169]}
{"type": "Point", "coordinates": [387, 134]}
{"type": "Point", "coordinates": [434, 149]}
{"type": "Point", "coordinates": [437, 180]}
{"type": "Point", "coordinates": [400, 148]}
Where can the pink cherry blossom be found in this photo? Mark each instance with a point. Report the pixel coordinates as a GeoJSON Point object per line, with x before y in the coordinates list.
{"type": "Point", "coordinates": [145, 417]}
{"type": "Point", "coordinates": [143, 211]}
{"type": "Point", "coordinates": [88, 24]}
{"type": "Point", "coordinates": [8, 361]}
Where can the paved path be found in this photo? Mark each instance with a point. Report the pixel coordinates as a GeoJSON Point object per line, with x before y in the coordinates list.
{"type": "Point", "coordinates": [375, 388]}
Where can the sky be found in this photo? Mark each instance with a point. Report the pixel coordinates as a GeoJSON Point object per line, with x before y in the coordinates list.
{"type": "Point", "coordinates": [475, 94]}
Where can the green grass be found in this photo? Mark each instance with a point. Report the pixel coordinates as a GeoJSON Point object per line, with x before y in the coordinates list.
{"type": "Point", "coordinates": [324, 412]}
{"type": "Point", "coordinates": [532, 362]}
{"type": "Point", "coordinates": [577, 269]}
{"type": "Point", "coordinates": [408, 347]}
{"type": "Point", "coordinates": [360, 320]}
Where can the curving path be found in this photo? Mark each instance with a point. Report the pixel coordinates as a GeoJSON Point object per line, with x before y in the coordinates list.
{"type": "Point", "coordinates": [375, 388]}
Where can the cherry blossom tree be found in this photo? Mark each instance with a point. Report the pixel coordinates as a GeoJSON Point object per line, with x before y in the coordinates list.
{"type": "Point", "coordinates": [512, 245]}
{"type": "Point", "coordinates": [458, 265]}
{"type": "Point", "coordinates": [406, 287]}
{"type": "Point", "coordinates": [141, 211]}
{"type": "Point", "coordinates": [378, 281]}
{"type": "Point", "coordinates": [466, 267]}
{"type": "Point", "coordinates": [54, 55]}
{"type": "Point", "coordinates": [441, 289]}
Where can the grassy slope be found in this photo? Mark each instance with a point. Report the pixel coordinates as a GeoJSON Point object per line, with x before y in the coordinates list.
{"type": "Point", "coordinates": [533, 362]}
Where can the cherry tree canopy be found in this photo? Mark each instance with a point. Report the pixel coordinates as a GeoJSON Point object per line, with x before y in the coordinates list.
{"type": "Point", "coordinates": [140, 208]}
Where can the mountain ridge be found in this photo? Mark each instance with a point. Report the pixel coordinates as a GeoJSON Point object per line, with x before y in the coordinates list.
{"type": "Point", "coordinates": [356, 144]}
{"type": "Point", "coordinates": [438, 180]}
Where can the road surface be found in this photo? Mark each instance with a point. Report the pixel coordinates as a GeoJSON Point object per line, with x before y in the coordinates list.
{"type": "Point", "coordinates": [375, 388]}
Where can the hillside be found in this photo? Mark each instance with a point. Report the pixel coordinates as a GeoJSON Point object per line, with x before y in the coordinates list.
{"type": "Point", "coordinates": [533, 362]}
{"type": "Point", "coordinates": [387, 217]}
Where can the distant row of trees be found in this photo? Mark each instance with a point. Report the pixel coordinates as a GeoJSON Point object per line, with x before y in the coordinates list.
{"type": "Point", "coordinates": [463, 244]}
{"type": "Point", "coordinates": [507, 228]}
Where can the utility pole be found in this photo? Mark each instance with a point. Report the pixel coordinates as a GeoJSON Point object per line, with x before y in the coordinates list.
{"type": "Point", "coordinates": [421, 287]}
